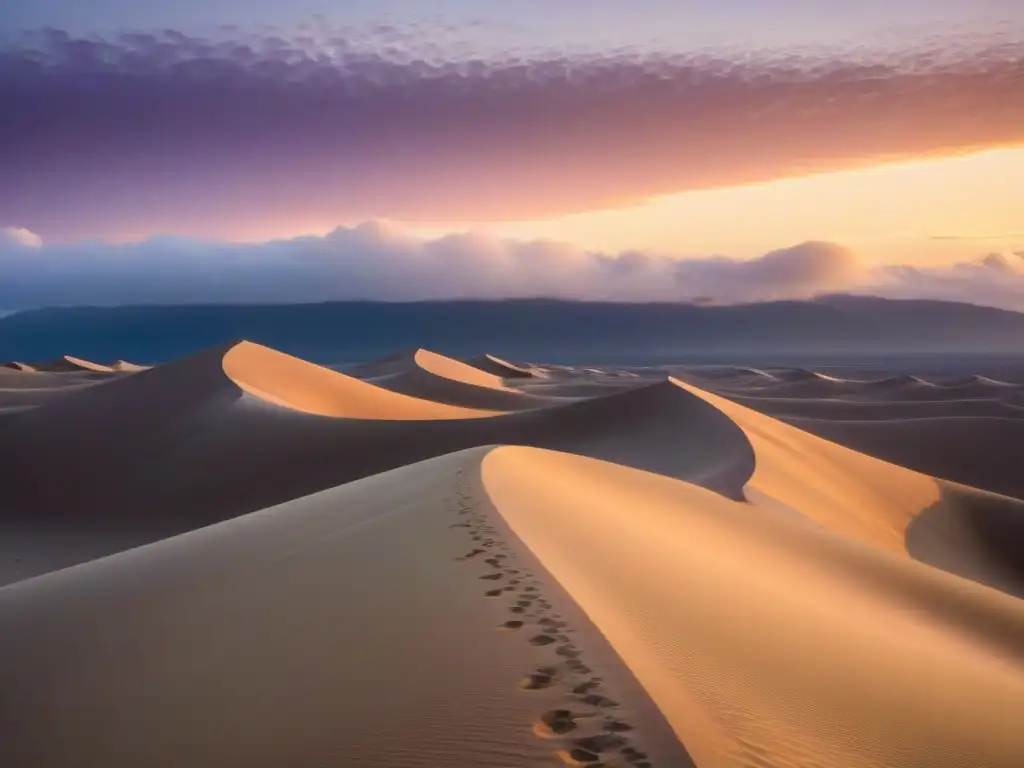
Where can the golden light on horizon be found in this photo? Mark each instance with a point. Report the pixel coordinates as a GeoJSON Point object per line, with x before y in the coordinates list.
{"type": "Point", "coordinates": [931, 210]}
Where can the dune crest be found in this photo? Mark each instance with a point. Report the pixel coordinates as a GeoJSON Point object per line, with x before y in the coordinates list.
{"type": "Point", "coordinates": [430, 376]}
{"type": "Point", "coordinates": [293, 383]}
{"type": "Point", "coordinates": [69, 364]}
{"type": "Point", "coordinates": [128, 367]}
{"type": "Point", "coordinates": [502, 368]}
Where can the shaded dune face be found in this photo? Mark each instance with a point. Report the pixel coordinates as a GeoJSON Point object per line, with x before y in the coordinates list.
{"type": "Point", "coordinates": [382, 567]}
{"type": "Point", "coordinates": [502, 368]}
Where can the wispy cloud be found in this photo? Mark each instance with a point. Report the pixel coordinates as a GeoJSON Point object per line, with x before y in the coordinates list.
{"type": "Point", "coordinates": [167, 132]}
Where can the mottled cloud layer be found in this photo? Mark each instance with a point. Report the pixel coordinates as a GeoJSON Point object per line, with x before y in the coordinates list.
{"type": "Point", "coordinates": [245, 135]}
{"type": "Point", "coordinates": [379, 261]}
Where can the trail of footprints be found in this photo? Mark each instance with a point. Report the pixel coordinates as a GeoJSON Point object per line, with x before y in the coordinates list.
{"type": "Point", "coordinates": [587, 731]}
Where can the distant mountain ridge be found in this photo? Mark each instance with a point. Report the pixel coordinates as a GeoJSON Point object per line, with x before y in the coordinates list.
{"type": "Point", "coordinates": [535, 329]}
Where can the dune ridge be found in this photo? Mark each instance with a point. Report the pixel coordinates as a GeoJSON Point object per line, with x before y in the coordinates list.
{"type": "Point", "coordinates": [293, 383]}
{"type": "Point", "coordinates": [502, 368]}
{"type": "Point", "coordinates": [430, 376]}
{"type": "Point", "coordinates": [69, 364]}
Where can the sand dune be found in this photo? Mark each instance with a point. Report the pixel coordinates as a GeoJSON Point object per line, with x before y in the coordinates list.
{"type": "Point", "coordinates": [419, 562]}
{"type": "Point", "coordinates": [343, 628]}
{"type": "Point", "coordinates": [615, 622]}
{"type": "Point", "coordinates": [749, 668]}
{"type": "Point", "coordinates": [502, 368]}
{"type": "Point", "coordinates": [430, 376]}
{"type": "Point", "coordinates": [127, 367]}
{"type": "Point", "coordinates": [834, 409]}
{"type": "Point", "coordinates": [979, 450]}
{"type": "Point", "coordinates": [69, 364]}
{"type": "Point", "coordinates": [288, 381]}
{"type": "Point", "coordinates": [14, 365]}
{"type": "Point", "coordinates": [217, 446]}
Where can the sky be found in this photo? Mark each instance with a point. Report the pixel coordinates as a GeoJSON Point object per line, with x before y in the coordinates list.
{"type": "Point", "coordinates": [260, 149]}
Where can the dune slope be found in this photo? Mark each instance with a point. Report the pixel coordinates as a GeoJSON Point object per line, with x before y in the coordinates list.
{"type": "Point", "coordinates": [355, 626]}
{"type": "Point", "coordinates": [765, 641]}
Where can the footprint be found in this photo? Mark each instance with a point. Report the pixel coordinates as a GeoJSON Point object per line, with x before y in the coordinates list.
{"type": "Point", "coordinates": [578, 757]}
{"type": "Point", "coordinates": [512, 624]}
{"type": "Point", "coordinates": [494, 592]}
{"type": "Point", "coordinates": [494, 562]}
{"type": "Point", "coordinates": [542, 640]}
{"type": "Point", "coordinates": [601, 743]}
{"type": "Point", "coordinates": [597, 700]}
{"type": "Point", "coordinates": [471, 554]}
{"type": "Point", "coordinates": [554, 722]}
{"type": "Point", "coordinates": [517, 609]}
{"type": "Point", "coordinates": [587, 687]}
{"type": "Point", "coordinates": [524, 603]}
{"type": "Point", "coordinates": [491, 576]}
{"type": "Point", "coordinates": [617, 726]}
{"type": "Point", "coordinates": [537, 680]}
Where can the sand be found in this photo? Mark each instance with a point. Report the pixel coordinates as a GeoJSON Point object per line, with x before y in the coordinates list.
{"type": "Point", "coordinates": [242, 558]}
{"type": "Point", "coordinates": [503, 368]}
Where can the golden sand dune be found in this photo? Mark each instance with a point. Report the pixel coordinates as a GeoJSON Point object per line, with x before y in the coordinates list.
{"type": "Point", "coordinates": [558, 606]}
{"type": "Point", "coordinates": [874, 502]}
{"type": "Point", "coordinates": [285, 380]}
{"type": "Point", "coordinates": [430, 376]}
{"type": "Point", "coordinates": [764, 641]}
{"type": "Point", "coordinates": [976, 449]}
{"type": "Point", "coordinates": [186, 429]}
{"type": "Point", "coordinates": [652, 576]}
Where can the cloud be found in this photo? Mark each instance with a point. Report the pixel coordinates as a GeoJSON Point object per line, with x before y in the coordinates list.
{"type": "Point", "coordinates": [164, 131]}
{"type": "Point", "coordinates": [993, 280]}
{"type": "Point", "coordinates": [19, 237]}
{"type": "Point", "coordinates": [376, 260]}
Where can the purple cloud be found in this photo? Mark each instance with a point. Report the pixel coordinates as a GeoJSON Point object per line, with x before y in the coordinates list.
{"type": "Point", "coordinates": [159, 132]}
